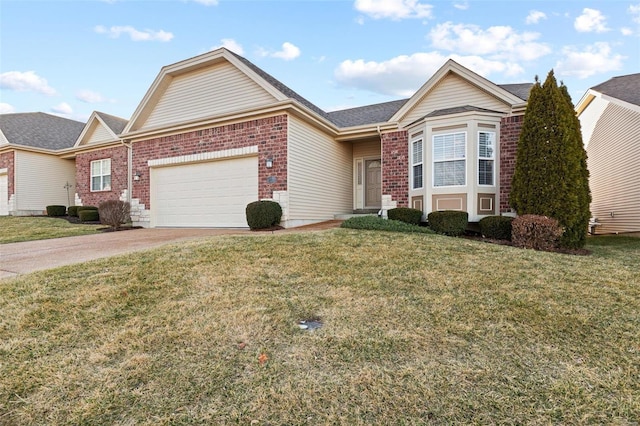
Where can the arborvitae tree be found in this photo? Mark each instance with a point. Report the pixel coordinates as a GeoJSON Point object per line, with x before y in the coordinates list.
{"type": "Point", "coordinates": [551, 176]}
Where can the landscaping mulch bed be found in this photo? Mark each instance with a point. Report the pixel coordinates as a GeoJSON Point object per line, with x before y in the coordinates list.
{"type": "Point", "coordinates": [477, 237]}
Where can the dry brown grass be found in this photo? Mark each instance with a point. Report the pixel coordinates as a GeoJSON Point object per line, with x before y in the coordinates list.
{"type": "Point", "coordinates": [19, 228]}
{"type": "Point", "coordinates": [417, 329]}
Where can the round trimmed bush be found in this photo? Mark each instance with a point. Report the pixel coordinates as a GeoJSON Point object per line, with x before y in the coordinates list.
{"type": "Point", "coordinates": [81, 208]}
{"type": "Point", "coordinates": [536, 232]}
{"type": "Point", "coordinates": [73, 211]}
{"type": "Point", "coordinates": [406, 215]}
{"type": "Point", "coordinates": [449, 222]}
{"type": "Point", "coordinates": [263, 214]}
{"type": "Point", "coordinates": [56, 211]}
{"type": "Point", "coordinates": [89, 215]}
{"type": "Point", "coordinates": [496, 227]}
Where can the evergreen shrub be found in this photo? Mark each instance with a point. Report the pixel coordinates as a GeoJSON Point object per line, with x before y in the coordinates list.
{"type": "Point", "coordinates": [73, 211]}
{"type": "Point", "coordinates": [496, 227]}
{"type": "Point", "coordinates": [56, 211]}
{"type": "Point", "coordinates": [448, 222]}
{"type": "Point", "coordinates": [405, 214]}
{"type": "Point", "coordinates": [89, 215]}
{"type": "Point", "coordinates": [263, 214]}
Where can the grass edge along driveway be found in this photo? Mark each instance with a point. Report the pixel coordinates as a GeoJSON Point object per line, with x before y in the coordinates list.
{"type": "Point", "coordinates": [29, 228]}
{"type": "Point", "coordinates": [417, 329]}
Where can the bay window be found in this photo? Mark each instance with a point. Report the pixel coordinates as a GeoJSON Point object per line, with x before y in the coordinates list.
{"type": "Point", "coordinates": [416, 164]}
{"type": "Point", "coordinates": [486, 157]}
{"type": "Point", "coordinates": [449, 159]}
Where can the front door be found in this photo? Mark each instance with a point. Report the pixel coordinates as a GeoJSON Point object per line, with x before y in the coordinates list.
{"type": "Point", "coordinates": [373, 184]}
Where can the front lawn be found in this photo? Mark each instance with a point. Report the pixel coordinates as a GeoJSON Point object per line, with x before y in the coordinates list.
{"type": "Point", "coordinates": [417, 329]}
{"type": "Point", "coordinates": [20, 228]}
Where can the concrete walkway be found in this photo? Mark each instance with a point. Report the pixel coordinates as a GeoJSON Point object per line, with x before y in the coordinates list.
{"type": "Point", "coordinates": [31, 256]}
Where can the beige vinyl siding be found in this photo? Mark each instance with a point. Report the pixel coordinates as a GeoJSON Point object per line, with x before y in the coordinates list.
{"type": "Point", "coordinates": [614, 166]}
{"type": "Point", "coordinates": [40, 181]}
{"type": "Point", "coordinates": [99, 134]}
{"type": "Point", "coordinates": [320, 174]}
{"type": "Point", "coordinates": [453, 91]}
{"type": "Point", "coordinates": [211, 91]}
{"type": "Point", "coordinates": [369, 149]}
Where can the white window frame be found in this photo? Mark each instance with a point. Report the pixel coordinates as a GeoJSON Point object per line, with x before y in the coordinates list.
{"type": "Point", "coordinates": [436, 160]}
{"type": "Point", "coordinates": [104, 170]}
{"type": "Point", "coordinates": [492, 158]}
{"type": "Point", "coordinates": [415, 162]}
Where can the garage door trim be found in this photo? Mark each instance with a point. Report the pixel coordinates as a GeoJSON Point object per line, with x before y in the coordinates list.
{"type": "Point", "coordinates": [205, 156]}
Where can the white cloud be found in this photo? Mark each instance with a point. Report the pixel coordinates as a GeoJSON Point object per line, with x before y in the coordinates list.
{"type": "Point", "coordinates": [535, 16]}
{"type": "Point", "coordinates": [393, 9]}
{"type": "Point", "coordinates": [25, 82]}
{"type": "Point", "coordinates": [591, 20]}
{"type": "Point", "coordinates": [90, 97]}
{"type": "Point", "coordinates": [62, 109]}
{"type": "Point", "coordinates": [5, 108]}
{"type": "Point", "coordinates": [461, 6]}
{"type": "Point", "coordinates": [634, 11]}
{"type": "Point", "coordinates": [403, 75]}
{"type": "Point", "coordinates": [207, 2]}
{"type": "Point", "coordinates": [594, 59]}
{"type": "Point", "coordinates": [626, 31]}
{"type": "Point", "coordinates": [500, 41]}
{"type": "Point", "coordinates": [231, 45]}
{"type": "Point", "coordinates": [135, 35]}
{"type": "Point", "coordinates": [288, 52]}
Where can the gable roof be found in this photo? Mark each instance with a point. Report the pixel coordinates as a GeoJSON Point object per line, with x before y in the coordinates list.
{"type": "Point", "coordinates": [624, 87]}
{"type": "Point", "coordinates": [504, 93]}
{"type": "Point", "coordinates": [521, 90]}
{"type": "Point", "coordinates": [113, 125]}
{"type": "Point", "coordinates": [40, 130]}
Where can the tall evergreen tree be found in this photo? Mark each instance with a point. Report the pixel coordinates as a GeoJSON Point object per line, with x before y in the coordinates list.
{"type": "Point", "coordinates": [551, 176]}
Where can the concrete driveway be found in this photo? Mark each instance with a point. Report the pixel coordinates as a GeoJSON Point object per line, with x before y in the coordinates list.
{"type": "Point", "coordinates": [31, 256]}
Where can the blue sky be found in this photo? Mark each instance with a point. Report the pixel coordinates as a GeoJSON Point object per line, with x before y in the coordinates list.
{"type": "Point", "coordinates": [73, 57]}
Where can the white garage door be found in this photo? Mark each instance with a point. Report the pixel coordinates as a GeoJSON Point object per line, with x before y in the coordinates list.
{"type": "Point", "coordinates": [4, 195]}
{"type": "Point", "coordinates": [211, 194]}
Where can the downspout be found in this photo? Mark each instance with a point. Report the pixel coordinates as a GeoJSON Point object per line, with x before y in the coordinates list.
{"type": "Point", "coordinates": [129, 168]}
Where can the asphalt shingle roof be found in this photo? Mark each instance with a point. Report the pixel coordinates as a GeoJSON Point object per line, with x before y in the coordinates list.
{"type": "Point", "coordinates": [116, 124]}
{"type": "Point", "coordinates": [369, 114]}
{"type": "Point", "coordinates": [624, 87]}
{"type": "Point", "coordinates": [521, 90]}
{"type": "Point", "coordinates": [40, 130]}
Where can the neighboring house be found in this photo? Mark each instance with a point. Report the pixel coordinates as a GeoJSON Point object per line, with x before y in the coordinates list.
{"type": "Point", "coordinates": [610, 118]}
{"type": "Point", "coordinates": [33, 174]}
{"type": "Point", "coordinates": [101, 159]}
{"type": "Point", "coordinates": [214, 133]}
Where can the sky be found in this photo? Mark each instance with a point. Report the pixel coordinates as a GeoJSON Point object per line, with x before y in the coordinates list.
{"type": "Point", "coordinates": [72, 57]}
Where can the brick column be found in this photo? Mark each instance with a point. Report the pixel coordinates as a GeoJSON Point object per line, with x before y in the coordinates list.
{"type": "Point", "coordinates": [395, 166]}
{"type": "Point", "coordinates": [510, 128]}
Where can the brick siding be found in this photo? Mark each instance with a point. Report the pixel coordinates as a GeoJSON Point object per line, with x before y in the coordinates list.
{"type": "Point", "coordinates": [118, 156]}
{"type": "Point", "coordinates": [269, 134]}
{"type": "Point", "coordinates": [510, 128]}
{"type": "Point", "coordinates": [7, 161]}
{"type": "Point", "coordinates": [395, 166]}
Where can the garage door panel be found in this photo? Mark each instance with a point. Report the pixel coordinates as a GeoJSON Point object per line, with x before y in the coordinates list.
{"type": "Point", "coordinates": [212, 194]}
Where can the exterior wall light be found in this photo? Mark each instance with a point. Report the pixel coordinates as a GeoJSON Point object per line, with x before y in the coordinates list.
{"type": "Point", "coordinates": [137, 176]}
{"type": "Point", "coordinates": [269, 163]}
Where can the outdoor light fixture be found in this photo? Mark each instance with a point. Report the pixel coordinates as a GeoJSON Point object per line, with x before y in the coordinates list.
{"type": "Point", "coordinates": [269, 163]}
{"type": "Point", "coordinates": [137, 176]}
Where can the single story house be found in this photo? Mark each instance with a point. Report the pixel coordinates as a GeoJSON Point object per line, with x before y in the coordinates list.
{"type": "Point", "coordinates": [215, 132]}
{"type": "Point", "coordinates": [33, 174]}
{"type": "Point", "coordinates": [610, 119]}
